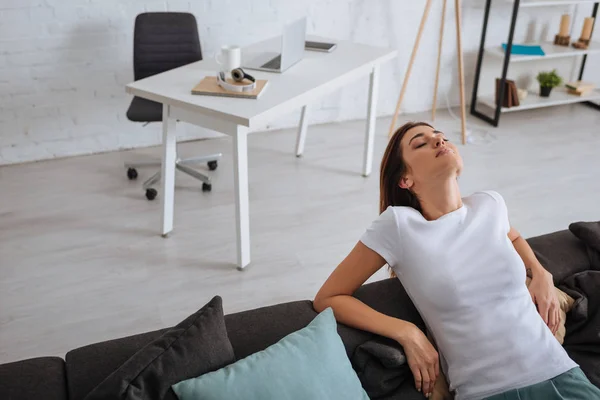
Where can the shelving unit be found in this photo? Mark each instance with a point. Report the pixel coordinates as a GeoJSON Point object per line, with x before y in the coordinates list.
{"type": "Point", "coordinates": [551, 50]}
{"type": "Point", "coordinates": [559, 96]}
{"type": "Point", "coordinates": [549, 3]}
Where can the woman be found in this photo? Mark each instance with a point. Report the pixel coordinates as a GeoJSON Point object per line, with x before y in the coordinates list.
{"type": "Point", "coordinates": [464, 267]}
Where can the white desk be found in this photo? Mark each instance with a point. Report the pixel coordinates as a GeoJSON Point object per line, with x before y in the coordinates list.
{"type": "Point", "coordinates": [314, 76]}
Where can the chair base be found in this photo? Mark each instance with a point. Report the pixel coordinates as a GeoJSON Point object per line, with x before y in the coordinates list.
{"type": "Point", "coordinates": [182, 165]}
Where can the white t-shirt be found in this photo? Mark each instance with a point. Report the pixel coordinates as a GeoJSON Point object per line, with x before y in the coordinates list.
{"type": "Point", "coordinates": [468, 282]}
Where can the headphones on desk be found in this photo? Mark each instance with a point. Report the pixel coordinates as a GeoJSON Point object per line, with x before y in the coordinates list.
{"type": "Point", "coordinates": [238, 75]}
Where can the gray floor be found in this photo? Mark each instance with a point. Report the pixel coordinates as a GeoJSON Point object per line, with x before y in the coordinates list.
{"type": "Point", "coordinates": [81, 260]}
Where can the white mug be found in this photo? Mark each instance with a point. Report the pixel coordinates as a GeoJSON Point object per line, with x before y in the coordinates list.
{"type": "Point", "coordinates": [229, 58]}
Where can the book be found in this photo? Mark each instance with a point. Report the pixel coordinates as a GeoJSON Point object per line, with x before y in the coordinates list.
{"type": "Point", "coordinates": [514, 93]}
{"type": "Point", "coordinates": [209, 87]}
{"type": "Point", "coordinates": [505, 102]}
{"type": "Point", "coordinates": [580, 86]}
{"type": "Point", "coordinates": [525, 49]}
{"type": "Point", "coordinates": [579, 92]}
{"type": "Point", "coordinates": [511, 96]}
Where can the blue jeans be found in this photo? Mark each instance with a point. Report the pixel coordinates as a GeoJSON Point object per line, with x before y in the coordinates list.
{"type": "Point", "coordinates": [572, 385]}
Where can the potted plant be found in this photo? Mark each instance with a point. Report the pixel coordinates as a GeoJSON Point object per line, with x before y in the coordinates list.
{"type": "Point", "coordinates": [548, 80]}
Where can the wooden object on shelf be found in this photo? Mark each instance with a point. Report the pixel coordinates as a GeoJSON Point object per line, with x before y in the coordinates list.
{"type": "Point", "coordinates": [457, 7]}
{"type": "Point", "coordinates": [580, 88]}
{"type": "Point", "coordinates": [580, 85]}
{"type": "Point", "coordinates": [209, 87]}
{"type": "Point", "coordinates": [511, 96]}
{"type": "Point", "coordinates": [586, 31]}
{"type": "Point", "coordinates": [586, 34]}
{"type": "Point", "coordinates": [522, 94]}
{"type": "Point", "coordinates": [562, 40]}
{"type": "Point", "coordinates": [565, 24]}
{"type": "Point", "coordinates": [580, 93]}
{"type": "Point", "coordinates": [581, 44]}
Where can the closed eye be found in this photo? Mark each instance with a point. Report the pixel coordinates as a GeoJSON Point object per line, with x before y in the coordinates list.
{"type": "Point", "coordinates": [423, 144]}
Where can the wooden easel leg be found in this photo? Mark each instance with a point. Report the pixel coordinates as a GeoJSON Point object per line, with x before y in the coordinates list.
{"type": "Point", "coordinates": [461, 73]}
{"type": "Point", "coordinates": [410, 64]}
{"type": "Point", "coordinates": [437, 71]}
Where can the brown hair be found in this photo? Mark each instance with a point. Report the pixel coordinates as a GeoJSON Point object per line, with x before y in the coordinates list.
{"type": "Point", "coordinates": [392, 170]}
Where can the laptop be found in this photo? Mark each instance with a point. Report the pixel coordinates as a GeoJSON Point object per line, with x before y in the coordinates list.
{"type": "Point", "coordinates": [292, 50]}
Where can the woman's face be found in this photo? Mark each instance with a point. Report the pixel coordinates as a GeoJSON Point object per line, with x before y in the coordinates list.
{"type": "Point", "coordinates": [429, 156]}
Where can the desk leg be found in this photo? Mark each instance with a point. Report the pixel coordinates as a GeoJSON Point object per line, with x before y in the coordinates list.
{"type": "Point", "coordinates": [168, 170]}
{"type": "Point", "coordinates": [302, 131]}
{"type": "Point", "coordinates": [240, 177]}
{"type": "Point", "coordinates": [371, 114]}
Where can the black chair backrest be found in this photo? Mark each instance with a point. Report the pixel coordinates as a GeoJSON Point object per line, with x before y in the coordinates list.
{"type": "Point", "coordinates": [163, 41]}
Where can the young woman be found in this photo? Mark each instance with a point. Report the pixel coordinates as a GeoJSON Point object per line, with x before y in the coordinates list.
{"type": "Point", "coordinates": [464, 267]}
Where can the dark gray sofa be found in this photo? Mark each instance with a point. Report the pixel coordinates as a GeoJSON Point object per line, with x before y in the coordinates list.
{"type": "Point", "coordinates": [53, 378]}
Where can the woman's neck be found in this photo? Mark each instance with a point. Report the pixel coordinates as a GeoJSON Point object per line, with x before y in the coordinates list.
{"type": "Point", "coordinates": [439, 198]}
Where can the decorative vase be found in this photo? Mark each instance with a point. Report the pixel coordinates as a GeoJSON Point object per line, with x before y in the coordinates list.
{"type": "Point", "coordinates": [545, 91]}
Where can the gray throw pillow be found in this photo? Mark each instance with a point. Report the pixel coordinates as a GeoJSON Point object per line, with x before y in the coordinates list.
{"type": "Point", "coordinates": [197, 345]}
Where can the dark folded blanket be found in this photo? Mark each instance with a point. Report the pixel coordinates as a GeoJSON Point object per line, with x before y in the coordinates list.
{"type": "Point", "coordinates": [381, 366]}
{"type": "Point", "coordinates": [589, 234]}
{"type": "Point", "coordinates": [582, 340]}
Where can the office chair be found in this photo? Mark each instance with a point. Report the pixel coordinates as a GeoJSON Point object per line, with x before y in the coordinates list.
{"type": "Point", "coordinates": [163, 41]}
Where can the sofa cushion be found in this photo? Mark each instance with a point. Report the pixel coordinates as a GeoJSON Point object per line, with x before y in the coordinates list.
{"type": "Point", "coordinates": [307, 364]}
{"type": "Point", "coordinates": [587, 232]}
{"type": "Point", "coordinates": [255, 330]}
{"type": "Point", "coordinates": [36, 378]}
{"type": "Point", "coordinates": [197, 345]}
{"type": "Point", "coordinates": [89, 365]}
{"type": "Point", "coordinates": [561, 253]}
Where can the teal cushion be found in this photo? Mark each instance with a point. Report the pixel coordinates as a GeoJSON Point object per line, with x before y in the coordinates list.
{"type": "Point", "coordinates": [308, 364]}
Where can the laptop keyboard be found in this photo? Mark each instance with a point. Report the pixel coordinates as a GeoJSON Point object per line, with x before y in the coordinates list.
{"type": "Point", "coordinates": [275, 63]}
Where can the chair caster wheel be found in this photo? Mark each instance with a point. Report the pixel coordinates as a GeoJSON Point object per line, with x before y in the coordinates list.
{"type": "Point", "coordinates": [206, 187]}
{"type": "Point", "coordinates": [151, 194]}
{"type": "Point", "coordinates": [212, 165]}
{"type": "Point", "coordinates": [132, 173]}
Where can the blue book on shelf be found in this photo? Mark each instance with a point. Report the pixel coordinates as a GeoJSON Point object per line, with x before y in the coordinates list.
{"type": "Point", "coordinates": [525, 49]}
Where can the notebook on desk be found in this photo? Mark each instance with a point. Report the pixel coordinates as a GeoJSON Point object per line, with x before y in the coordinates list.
{"type": "Point", "coordinates": [209, 87]}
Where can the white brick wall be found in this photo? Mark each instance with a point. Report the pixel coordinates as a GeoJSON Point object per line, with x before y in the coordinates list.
{"type": "Point", "coordinates": [64, 63]}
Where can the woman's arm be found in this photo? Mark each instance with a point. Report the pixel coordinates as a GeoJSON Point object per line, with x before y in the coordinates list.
{"type": "Point", "coordinates": [353, 271]}
{"type": "Point", "coordinates": [541, 287]}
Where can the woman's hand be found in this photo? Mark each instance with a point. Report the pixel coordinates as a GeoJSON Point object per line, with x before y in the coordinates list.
{"type": "Point", "coordinates": [422, 359]}
{"type": "Point", "coordinates": [545, 298]}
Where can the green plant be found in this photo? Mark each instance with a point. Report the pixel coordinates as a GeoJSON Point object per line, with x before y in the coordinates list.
{"type": "Point", "coordinates": [549, 79]}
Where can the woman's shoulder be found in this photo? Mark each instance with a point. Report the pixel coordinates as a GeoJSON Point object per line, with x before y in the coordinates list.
{"type": "Point", "coordinates": [485, 199]}
{"type": "Point", "coordinates": [486, 194]}
{"type": "Point", "coordinates": [401, 215]}
{"type": "Point", "coordinates": [398, 211]}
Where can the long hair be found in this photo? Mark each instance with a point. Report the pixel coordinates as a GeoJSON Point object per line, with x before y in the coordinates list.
{"type": "Point", "coordinates": [393, 168]}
